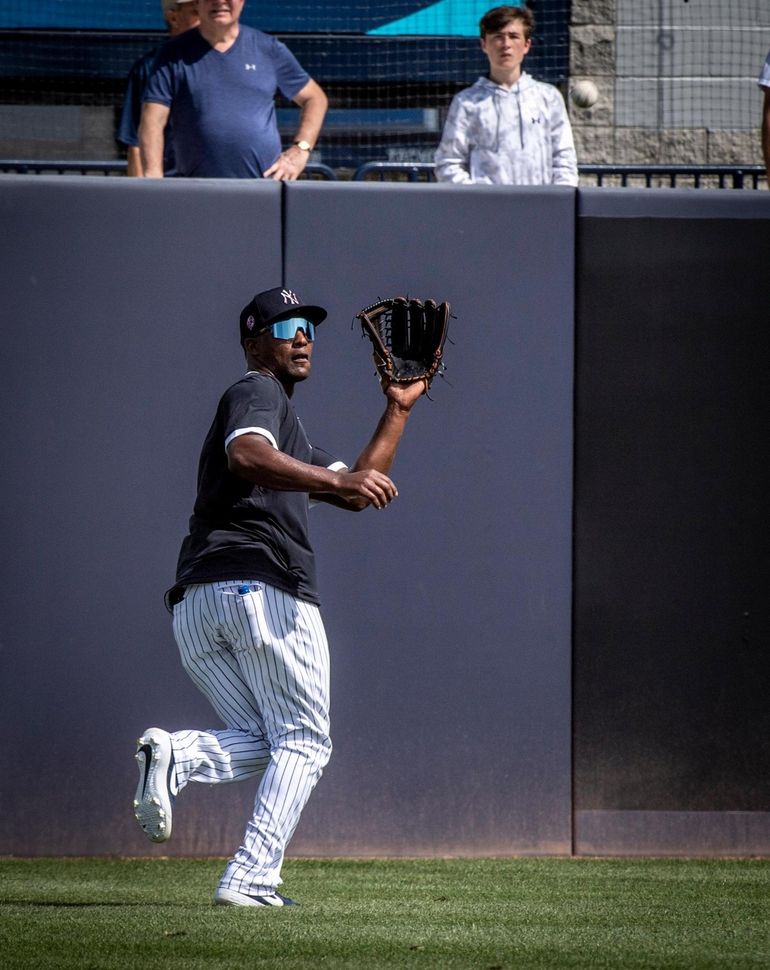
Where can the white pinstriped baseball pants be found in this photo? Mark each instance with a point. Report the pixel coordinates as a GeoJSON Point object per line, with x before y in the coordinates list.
{"type": "Point", "coordinates": [262, 659]}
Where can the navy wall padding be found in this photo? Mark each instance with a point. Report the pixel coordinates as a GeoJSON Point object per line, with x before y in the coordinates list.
{"type": "Point", "coordinates": [120, 307]}
{"type": "Point", "coordinates": [672, 532]}
{"type": "Point", "coordinates": [453, 658]}
{"type": "Point", "coordinates": [449, 615]}
{"type": "Point", "coordinates": [451, 662]}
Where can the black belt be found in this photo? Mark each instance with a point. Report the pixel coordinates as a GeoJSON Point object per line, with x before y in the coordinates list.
{"type": "Point", "coordinates": [173, 596]}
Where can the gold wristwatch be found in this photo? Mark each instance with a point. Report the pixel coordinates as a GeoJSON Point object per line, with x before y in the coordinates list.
{"type": "Point", "coordinates": [304, 145]}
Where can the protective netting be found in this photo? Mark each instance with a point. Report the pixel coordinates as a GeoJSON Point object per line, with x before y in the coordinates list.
{"type": "Point", "coordinates": [390, 68]}
{"type": "Point", "coordinates": [689, 63]}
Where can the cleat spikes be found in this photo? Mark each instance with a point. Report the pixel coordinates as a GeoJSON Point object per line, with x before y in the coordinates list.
{"type": "Point", "coordinates": [154, 798]}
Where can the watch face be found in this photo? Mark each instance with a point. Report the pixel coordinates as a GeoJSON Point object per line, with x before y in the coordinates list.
{"type": "Point", "coordinates": [304, 145]}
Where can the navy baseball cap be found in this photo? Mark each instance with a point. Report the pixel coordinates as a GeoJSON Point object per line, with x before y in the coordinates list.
{"type": "Point", "coordinates": [270, 306]}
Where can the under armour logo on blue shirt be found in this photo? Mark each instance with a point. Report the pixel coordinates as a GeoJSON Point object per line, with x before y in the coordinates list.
{"type": "Point", "coordinates": [250, 67]}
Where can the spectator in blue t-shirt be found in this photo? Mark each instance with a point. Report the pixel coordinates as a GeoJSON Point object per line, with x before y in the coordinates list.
{"type": "Point", "coordinates": [217, 86]}
{"type": "Point", "coordinates": [180, 15]}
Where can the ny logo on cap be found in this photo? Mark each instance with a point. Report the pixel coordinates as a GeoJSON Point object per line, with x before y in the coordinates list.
{"type": "Point", "coordinates": [289, 296]}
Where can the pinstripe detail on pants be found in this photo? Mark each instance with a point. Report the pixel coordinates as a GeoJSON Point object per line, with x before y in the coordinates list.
{"type": "Point", "coordinates": [261, 658]}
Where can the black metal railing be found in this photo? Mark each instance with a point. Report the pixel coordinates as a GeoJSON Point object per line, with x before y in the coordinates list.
{"type": "Point", "coordinates": [633, 176]}
{"type": "Point", "coordinates": [406, 171]}
{"type": "Point", "coordinates": [10, 166]}
{"type": "Point", "coordinates": [15, 166]}
{"type": "Point", "coordinates": [695, 176]}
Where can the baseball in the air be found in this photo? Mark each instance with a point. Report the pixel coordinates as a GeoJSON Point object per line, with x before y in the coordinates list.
{"type": "Point", "coordinates": [584, 94]}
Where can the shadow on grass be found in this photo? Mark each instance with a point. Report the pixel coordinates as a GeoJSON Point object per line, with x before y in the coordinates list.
{"type": "Point", "coordinates": [64, 904]}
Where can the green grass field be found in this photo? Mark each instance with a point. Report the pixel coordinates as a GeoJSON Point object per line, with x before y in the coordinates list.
{"type": "Point", "coordinates": [504, 914]}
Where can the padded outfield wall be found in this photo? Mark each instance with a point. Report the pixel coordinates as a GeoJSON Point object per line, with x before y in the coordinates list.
{"type": "Point", "coordinates": [453, 714]}
{"type": "Point", "coordinates": [672, 530]}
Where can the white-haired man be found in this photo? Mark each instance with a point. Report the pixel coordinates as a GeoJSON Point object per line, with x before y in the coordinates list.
{"type": "Point", "coordinates": [217, 85]}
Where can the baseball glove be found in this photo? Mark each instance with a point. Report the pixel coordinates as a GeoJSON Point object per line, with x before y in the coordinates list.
{"type": "Point", "coordinates": [407, 336]}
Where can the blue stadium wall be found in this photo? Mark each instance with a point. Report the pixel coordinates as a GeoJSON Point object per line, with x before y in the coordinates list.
{"type": "Point", "coordinates": [572, 657]}
{"type": "Point", "coordinates": [338, 43]}
{"type": "Point", "coordinates": [427, 17]}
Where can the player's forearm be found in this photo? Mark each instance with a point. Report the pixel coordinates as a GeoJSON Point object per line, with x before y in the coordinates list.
{"type": "Point", "coordinates": [251, 457]}
{"type": "Point", "coordinates": [381, 450]}
{"type": "Point", "coordinates": [255, 460]}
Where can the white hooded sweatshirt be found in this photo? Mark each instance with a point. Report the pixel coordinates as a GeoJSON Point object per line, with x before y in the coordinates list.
{"type": "Point", "coordinates": [498, 136]}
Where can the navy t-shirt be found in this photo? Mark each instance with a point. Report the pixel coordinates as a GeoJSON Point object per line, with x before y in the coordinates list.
{"type": "Point", "coordinates": [223, 103]}
{"type": "Point", "coordinates": [243, 531]}
{"type": "Point", "coordinates": [131, 113]}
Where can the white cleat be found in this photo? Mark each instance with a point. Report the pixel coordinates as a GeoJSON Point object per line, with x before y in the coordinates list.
{"type": "Point", "coordinates": [157, 788]}
{"type": "Point", "coordinates": [230, 897]}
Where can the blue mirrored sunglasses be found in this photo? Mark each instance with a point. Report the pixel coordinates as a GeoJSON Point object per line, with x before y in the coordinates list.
{"type": "Point", "coordinates": [287, 329]}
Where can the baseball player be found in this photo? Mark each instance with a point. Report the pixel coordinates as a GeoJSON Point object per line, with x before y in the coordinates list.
{"type": "Point", "coordinates": [245, 604]}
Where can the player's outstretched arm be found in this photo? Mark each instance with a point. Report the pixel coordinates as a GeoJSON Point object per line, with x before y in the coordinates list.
{"type": "Point", "coordinates": [374, 462]}
{"type": "Point", "coordinates": [381, 450]}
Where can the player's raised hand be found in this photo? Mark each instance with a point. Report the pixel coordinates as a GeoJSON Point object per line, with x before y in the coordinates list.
{"type": "Point", "coordinates": [402, 394]}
